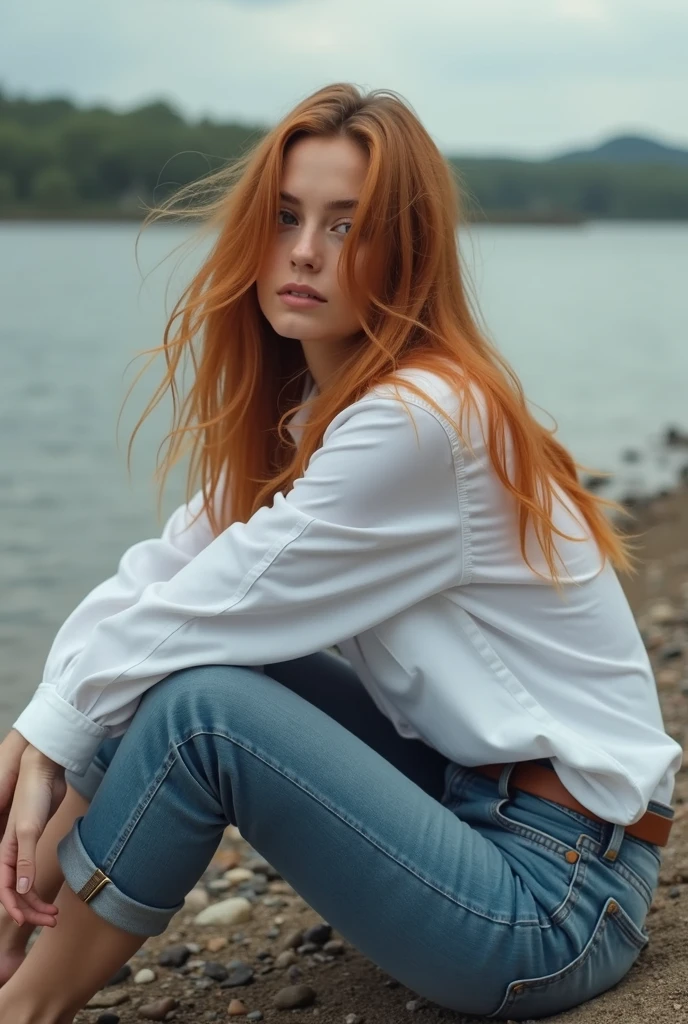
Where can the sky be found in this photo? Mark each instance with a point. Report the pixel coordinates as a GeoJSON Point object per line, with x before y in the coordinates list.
{"type": "Point", "coordinates": [526, 78]}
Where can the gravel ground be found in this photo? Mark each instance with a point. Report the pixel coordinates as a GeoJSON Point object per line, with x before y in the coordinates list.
{"type": "Point", "coordinates": [340, 986]}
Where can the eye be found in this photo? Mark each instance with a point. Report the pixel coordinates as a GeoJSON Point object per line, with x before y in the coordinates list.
{"type": "Point", "coordinates": [288, 213]}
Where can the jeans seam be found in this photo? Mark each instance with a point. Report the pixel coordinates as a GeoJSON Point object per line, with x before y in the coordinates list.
{"type": "Point", "coordinates": [116, 849]}
{"type": "Point", "coordinates": [635, 880]}
{"type": "Point", "coordinates": [358, 828]}
{"type": "Point", "coordinates": [534, 835]}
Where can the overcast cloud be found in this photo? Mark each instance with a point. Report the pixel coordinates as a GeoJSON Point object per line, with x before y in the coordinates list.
{"type": "Point", "coordinates": [523, 77]}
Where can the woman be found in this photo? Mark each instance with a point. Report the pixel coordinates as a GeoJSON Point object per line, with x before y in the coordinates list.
{"type": "Point", "coordinates": [476, 794]}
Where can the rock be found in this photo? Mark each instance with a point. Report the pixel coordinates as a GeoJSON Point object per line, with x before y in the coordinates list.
{"type": "Point", "coordinates": [278, 920]}
{"type": "Point", "coordinates": [197, 900]}
{"type": "Point", "coordinates": [108, 997]}
{"type": "Point", "coordinates": [668, 678]}
{"type": "Point", "coordinates": [334, 946]}
{"type": "Point", "coordinates": [294, 973]}
{"type": "Point", "coordinates": [219, 885]}
{"type": "Point", "coordinates": [216, 944]}
{"type": "Point", "coordinates": [353, 1018]}
{"type": "Point", "coordinates": [275, 901]}
{"type": "Point", "coordinates": [274, 933]}
{"type": "Point", "coordinates": [236, 1008]}
{"type": "Point", "coordinates": [144, 977]}
{"type": "Point", "coordinates": [193, 947]}
{"type": "Point", "coordinates": [119, 976]}
{"type": "Point", "coordinates": [662, 614]}
{"type": "Point", "coordinates": [174, 956]}
{"type": "Point", "coordinates": [281, 888]}
{"type": "Point", "coordinates": [293, 940]}
{"type": "Point", "coordinates": [674, 892]}
{"type": "Point", "coordinates": [307, 947]}
{"type": "Point", "coordinates": [319, 934]}
{"type": "Point", "coordinates": [218, 972]}
{"type": "Point", "coordinates": [108, 1018]}
{"type": "Point", "coordinates": [255, 1015]}
{"type": "Point", "coordinates": [234, 910]}
{"type": "Point", "coordinates": [414, 1004]}
{"type": "Point", "coordinates": [225, 860]}
{"type": "Point", "coordinates": [294, 996]}
{"type": "Point", "coordinates": [241, 975]}
{"type": "Point", "coordinates": [286, 959]}
{"type": "Point", "coordinates": [236, 875]}
{"type": "Point", "coordinates": [159, 1009]}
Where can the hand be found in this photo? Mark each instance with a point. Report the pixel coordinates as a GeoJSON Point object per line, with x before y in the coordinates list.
{"type": "Point", "coordinates": [11, 750]}
{"type": "Point", "coordinates": [39, 790]}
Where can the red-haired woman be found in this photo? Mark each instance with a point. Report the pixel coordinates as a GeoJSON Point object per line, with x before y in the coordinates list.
{"type": "Point", "coordinates": [474, 791]}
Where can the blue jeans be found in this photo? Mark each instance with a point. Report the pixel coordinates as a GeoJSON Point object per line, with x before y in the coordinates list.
{"type": "Point", "coordinates": [478, 896]}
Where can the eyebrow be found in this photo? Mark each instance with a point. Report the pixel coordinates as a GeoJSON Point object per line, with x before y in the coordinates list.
{"type": "Point", "coordinates": [334, 204]}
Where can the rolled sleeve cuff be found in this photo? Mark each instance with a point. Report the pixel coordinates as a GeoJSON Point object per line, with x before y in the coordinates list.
{"type": "Point", "coordinates": [59, 731]}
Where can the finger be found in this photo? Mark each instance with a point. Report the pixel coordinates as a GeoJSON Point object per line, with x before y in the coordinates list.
{"type": "Point", "coordinates": [24, 909]}
{"type": "Point", "coordinates": [8, 896]}
{"type": "Point", "coordinates": [33, 800]}
{"type": "Point", "coordinates": [32, 901]}
{"type": "Point", "coordinates": [34, 916]}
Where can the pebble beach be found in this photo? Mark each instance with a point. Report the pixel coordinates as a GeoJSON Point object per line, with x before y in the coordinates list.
{"type": "Point", "coordinates": [246, 945]}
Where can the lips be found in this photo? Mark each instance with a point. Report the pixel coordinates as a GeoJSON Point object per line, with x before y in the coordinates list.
{"type": "Point", "coordinates": [303, 289]}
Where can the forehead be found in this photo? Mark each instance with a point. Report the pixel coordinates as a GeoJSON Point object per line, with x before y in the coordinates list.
{"type": "Point", "coordinates": [318, 169]}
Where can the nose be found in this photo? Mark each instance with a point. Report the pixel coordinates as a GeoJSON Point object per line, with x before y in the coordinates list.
{"type": "Point", "coordinates": [305, 251]}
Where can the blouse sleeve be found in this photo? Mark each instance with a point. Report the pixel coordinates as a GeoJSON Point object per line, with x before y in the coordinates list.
{"type": "Point", "coordinates": [370, 529]}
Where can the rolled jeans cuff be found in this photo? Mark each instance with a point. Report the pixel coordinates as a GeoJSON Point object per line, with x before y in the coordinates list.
{"type": "Point", "coordinates": [109, 902]}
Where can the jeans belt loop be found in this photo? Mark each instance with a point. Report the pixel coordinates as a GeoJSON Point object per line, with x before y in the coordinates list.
{"type": "Point", "coordinates": [616, 838]}
{"type": "Point", "coordinates": [504, 779]}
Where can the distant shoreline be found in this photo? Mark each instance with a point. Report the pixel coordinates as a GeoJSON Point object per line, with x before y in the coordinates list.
{"type": "Point", "coordinates": [498, 217]}
{"type": "Point", "coordinates": [126, 216]}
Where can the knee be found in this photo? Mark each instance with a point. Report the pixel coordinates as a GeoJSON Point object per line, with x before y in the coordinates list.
{"type": "Point", "coordinates": [200, 694]}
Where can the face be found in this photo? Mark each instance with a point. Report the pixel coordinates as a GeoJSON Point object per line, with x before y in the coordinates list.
{"type": "Point", "coordinates": [305, 252]}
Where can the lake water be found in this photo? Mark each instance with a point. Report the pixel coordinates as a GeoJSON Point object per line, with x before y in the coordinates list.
{"type": "Point", "coordinates": [594, 319]}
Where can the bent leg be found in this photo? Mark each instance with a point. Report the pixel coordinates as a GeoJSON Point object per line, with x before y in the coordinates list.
{"type": "Point", "coordinates": [414, 888]}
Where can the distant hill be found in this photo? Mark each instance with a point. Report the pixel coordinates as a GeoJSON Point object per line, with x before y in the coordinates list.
{"type": "Point", "coordinates": [60, 160]}
{"type": "Point", "coordinates": [627, 149]}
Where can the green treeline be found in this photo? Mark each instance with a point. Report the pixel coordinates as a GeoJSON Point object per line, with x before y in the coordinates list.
{"type": "Point", "coordinates": [57, 159]}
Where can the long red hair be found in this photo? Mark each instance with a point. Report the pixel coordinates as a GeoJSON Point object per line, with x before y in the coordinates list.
{"type": "Point", "coordinates": [248, 380]}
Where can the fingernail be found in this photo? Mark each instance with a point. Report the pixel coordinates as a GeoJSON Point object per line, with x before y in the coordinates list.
{"type": "Point", "coordinates": [23, 885]}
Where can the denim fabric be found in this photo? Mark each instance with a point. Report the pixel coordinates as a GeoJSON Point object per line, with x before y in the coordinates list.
{"type": "Point", "coordinates": [480, 897]}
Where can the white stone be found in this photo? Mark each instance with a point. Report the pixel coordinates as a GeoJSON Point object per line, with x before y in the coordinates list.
{"type": "Point", "coordinates": [238, 875]}
{"type": "Point", "coordinates": [144, 977]}
{"type": "Point", "coordinates": [219, 885]}
{"type": "Point", "coordinates": [235, 910]}
{"type": "Point", "coordinates": [196, 900]}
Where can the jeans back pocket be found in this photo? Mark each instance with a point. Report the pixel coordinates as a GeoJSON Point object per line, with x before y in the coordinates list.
{"type": "Point", "coordinates": [609, 954]}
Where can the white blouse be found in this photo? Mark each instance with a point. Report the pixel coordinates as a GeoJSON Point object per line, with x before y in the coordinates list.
{"type": "Point", "coordinates": [399, 545]}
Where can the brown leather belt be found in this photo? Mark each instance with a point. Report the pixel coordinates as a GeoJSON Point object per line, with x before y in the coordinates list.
{"type": "Point", "coordinates": [541, 781]}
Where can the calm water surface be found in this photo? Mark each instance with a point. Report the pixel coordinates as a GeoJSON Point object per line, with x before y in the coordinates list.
{"type": "Point", "coordinates": [594, 319]}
